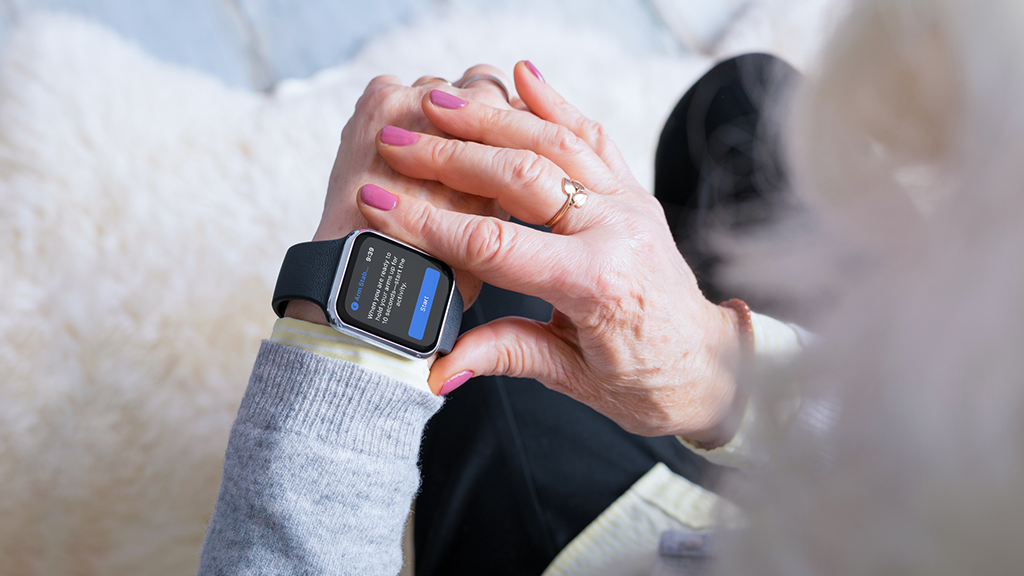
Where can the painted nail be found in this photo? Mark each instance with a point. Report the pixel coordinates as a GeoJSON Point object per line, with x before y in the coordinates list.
{"type": "Point", "coordinates": [378, 197]}
{"type": "Point", "coordinates": [455, 381]}
{"type": "Point", "coordinates": [535, 71]}
{"type": "Point", "coordinates": [395, 136]}
{"type": "Point", "coordinates": [446, 100]}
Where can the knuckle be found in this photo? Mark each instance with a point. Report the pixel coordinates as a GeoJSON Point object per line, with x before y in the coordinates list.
{"type": "Point", "coordinates": [511, 358]}
{"type": "Point", "coordinates": [520, 355]}
{"type": "Point", "coordinates": [380, 79]}
{"type": "Point", "coordinates": [490, 117]}
{"type": "Point", "coordinates": [419, 220]}
{"type": "Point", "coordinates": [618, 298]}
{"type": "Point", "coordinates": [612, 280]}
{"type": "Point", "coordinates": [442, 151]}
{"type": "Point", "coordinates": [367, 101]}
{"type": "Point", "coordinates": [649, 203]}
{"type": "Point", "coordinates": [486, 242]}
{"type": "Point", "coordinates": [374, 97]}
{"type": "Point", "coordinates": [481, 69]}
{"type": "Point", "coordinates": [592, 131]}
{"type": "Point", "coordinates": [562, 140]}
{"type": "Point", "coordinates": [525, 169]}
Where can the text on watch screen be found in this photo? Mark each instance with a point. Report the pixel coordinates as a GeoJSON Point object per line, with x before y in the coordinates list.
{"type": "Point", "coordinates": [394, 292]}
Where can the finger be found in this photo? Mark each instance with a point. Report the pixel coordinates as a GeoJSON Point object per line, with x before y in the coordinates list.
{"type": "Point", "coordinates": [501, 253]}
{"type": "Point", "coordinates": [486, 84]}
{"type": "Point", "coordinates": [525, 184]}
{"type": "Point", "coordinates": [387, 101]}
{"type": "Point", "coordinates": [548, 104]}
{"type": "Point", "coordinates": [510, 346]}
{"type": "Point", "coordinates": [520, 130]}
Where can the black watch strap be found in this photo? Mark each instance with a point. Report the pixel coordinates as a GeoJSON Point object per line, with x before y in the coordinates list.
{"type": "Point", "coordinates": [308, 271]}
{"type": "Point", "coordinates": [452, 323]}
{"type": "Point", "coordinates": [308, 274]}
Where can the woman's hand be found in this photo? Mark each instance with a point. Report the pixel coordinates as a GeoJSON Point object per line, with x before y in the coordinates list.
{"type": "Point", "coordinates": [386, 102]}
{"type": "Point", "coordinates": [631, 334]}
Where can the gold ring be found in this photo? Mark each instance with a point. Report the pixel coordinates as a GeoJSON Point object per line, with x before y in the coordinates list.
{"type": "Point", "coordinates": [429, 80]}
{"type": "Point", "coordinates": [490, 77]}
{"type": "Point", "coordinates": [576, 197]}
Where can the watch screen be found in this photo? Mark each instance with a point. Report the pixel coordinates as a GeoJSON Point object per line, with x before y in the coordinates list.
{"type": "Point", "coordinates": [394, 292]}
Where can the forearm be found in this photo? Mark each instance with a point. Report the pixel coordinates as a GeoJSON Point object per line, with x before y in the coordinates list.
{"type": "Point", "coordinates": [320, 469]}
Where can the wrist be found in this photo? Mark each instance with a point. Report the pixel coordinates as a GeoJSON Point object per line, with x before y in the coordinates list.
{"type": "Point", "coordinates": [305, 311]}
{"type": "Point", "coordinates": [726, 402]}
{"type": "Point", "coordinates": [720, 433]}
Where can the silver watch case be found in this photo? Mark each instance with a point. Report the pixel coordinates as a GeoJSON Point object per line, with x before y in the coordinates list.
{"type": "Point", "coordinates": [338, 324]}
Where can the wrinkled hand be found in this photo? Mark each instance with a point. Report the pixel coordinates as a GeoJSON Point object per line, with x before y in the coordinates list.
{"type": "Point", "coordinates": [386, 102]}
{"type": "Point", "coordinates": [631, 334]}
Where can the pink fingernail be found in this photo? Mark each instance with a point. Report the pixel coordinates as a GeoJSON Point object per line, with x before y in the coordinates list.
{"type": "Point", "coordinates": [446, 100]}
{"type": "Point", "coordinates": [455, 381]}
{"type": "Point", "coordinates": [535, 71]}
{"type": "Point", "coordinates": [378, 197]}
{"type": "Point", "coordinates": [395, 136]}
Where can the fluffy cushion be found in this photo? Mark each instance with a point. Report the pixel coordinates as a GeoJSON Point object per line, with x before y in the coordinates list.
{"type": "Point", "coordinates": [143, 211]}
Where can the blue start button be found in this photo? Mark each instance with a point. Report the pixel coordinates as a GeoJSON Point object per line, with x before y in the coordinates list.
{"type": "Point", "coordinates": [423, 304]}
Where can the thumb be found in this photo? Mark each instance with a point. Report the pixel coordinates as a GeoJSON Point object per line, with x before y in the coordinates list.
{"type": "Point", "coordinates": [510, 346]}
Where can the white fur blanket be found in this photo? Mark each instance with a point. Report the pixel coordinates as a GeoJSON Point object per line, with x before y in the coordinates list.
{"type": "Point", "coordinates": [144, 210]}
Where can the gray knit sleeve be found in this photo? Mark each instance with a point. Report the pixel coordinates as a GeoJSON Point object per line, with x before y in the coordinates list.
{"type": "Point", "coordinates": [320, 470]}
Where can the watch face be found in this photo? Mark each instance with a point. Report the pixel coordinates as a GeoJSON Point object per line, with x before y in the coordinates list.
{"type": "Point", "coordinates": [395, 292]}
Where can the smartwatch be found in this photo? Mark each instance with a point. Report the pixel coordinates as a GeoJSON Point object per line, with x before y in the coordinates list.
{"type": "Point", "coordinates": [377, 289]}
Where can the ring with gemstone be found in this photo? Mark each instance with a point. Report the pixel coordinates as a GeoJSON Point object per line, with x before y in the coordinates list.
{"type": "Point", "coordinates": [576, 197]}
